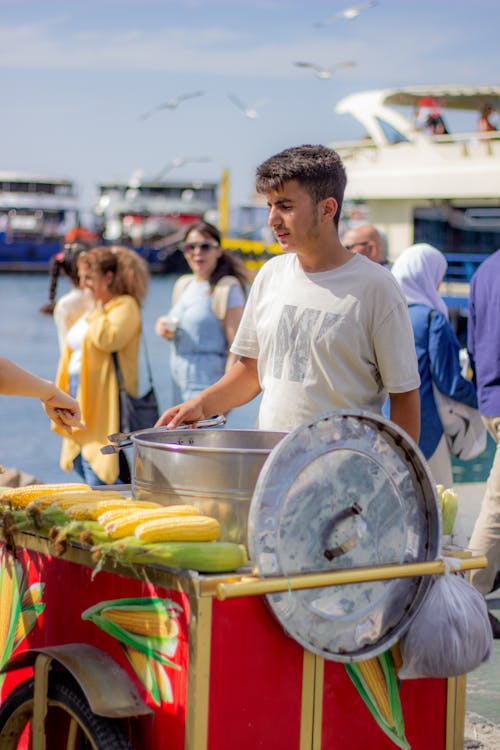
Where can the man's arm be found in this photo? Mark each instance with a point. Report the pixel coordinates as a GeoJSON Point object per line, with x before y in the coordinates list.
{"type": "Point", "coordinates": [405, 412]}
{"type": "Point", "coordinates": [239, 385]}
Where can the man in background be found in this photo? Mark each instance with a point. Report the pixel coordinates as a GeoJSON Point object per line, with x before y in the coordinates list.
{"type": "Point", "coordinates": [367, 241]}
{"type": "Point", "coordinates": [483, 343]}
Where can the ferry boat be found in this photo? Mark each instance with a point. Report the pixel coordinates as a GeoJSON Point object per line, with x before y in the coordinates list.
{"type": "Point", "coordinates": [419, 186]}
{"type": "Point", "coordinates": [36, 212]}
{"type": "Point", "coordinates": [151, 215]}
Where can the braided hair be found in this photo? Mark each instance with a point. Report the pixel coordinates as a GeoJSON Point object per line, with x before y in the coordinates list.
{"type": "Point", "coordinates": [66, 261]}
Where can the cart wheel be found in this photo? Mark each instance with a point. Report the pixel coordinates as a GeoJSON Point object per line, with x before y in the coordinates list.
{"type": "Point", "coordinates": [70, 723]}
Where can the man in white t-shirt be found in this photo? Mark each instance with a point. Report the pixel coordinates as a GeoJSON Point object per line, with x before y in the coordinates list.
{"type": "Point", "coordinates": [323, 328]}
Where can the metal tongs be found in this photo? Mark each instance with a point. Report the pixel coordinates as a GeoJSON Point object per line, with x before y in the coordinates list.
{"type": "Point", "coordinates": [119, 440]}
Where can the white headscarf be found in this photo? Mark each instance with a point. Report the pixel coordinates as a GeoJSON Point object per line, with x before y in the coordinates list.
{"type": "Point", "coordinates": [419, 270]}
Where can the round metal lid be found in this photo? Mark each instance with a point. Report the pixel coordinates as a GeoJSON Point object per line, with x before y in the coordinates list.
{"type": "Point", "coordinates": [347, 490]}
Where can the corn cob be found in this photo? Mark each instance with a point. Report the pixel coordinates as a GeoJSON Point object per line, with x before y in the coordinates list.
{"type": "Point", "coordinates": [20, 497]}
{"type": "Point", "coordinates": [143, 669]}
{"type": "Point", "coordinates": [67, 499]}
{"type": "Point", "coordinates": [91, 510]}
{"type": "Point", "coordinates": [205, 557]}
{"type": "Point", "coordinates": [142, 621]}
{"type": "Point", "coordinates": [158, 647]}
{"type": "Point", "coordinates": [113, 515]}
{"type": "Point", "coordinates": [179, 529]}
{"type": "Point", "coordinates": [25, 623]}
{"type": "Point", "coordinates": [162, 681]}
{"type": "Point", "coordinates": [375, 683]}
{"type": "Point", "coordinates": [126, 525]}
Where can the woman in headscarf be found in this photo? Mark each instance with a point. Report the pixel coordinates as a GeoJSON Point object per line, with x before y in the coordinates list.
{"type": "Point", "coordinates": [420, 270]}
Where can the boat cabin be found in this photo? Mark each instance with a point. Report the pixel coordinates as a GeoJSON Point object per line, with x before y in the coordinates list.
{"type": "Point", "coordinates": [423, 171]}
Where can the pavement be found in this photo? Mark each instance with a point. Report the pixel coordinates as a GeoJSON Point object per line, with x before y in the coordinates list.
{"type": "Point", "coordinates": [483, 684]}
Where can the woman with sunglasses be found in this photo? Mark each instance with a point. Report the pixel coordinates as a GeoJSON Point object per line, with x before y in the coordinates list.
{"type": "Point", "coordinates": [207, 306]}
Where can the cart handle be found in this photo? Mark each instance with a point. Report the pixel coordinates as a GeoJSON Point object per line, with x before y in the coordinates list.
{"type": "Point", "coordinates": [253, 586]}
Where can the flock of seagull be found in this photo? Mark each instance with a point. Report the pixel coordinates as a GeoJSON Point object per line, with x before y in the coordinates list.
{"type": "Point", "coordinates": [324, 73]}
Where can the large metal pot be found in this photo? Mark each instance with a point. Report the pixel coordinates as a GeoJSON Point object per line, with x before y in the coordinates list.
{"type": "Point", "coordinates": [215, 470]}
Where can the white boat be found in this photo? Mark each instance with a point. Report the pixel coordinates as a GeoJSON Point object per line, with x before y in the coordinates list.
{"type": "Point", "coordinates": [151, 215]}
{"type": "Point", "coordinates": [420, 187]}
{"type": "Point", "coordinates": [36, 211]}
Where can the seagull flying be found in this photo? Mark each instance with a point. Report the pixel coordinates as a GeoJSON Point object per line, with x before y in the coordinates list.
{"type": "Point", "coordinates": [250, 112]}
{"type": "Point", "coordinates": [172, 103]}
{"type": "Point", "coordinates": [180, 161]}
{"type": "Point", "coordinates": [348, 13]}
{"type": "Point", "coordinates": [325, 73]}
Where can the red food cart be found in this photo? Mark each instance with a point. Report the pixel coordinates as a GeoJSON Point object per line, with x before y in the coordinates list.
{"type": "Point", "coordinates": [266, 657]}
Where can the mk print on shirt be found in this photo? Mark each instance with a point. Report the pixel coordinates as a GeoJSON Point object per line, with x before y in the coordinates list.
{"type": "Point", "coordinates": [295, 335]}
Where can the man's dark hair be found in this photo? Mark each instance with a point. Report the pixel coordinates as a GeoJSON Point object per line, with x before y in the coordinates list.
{"type": "Point", "coordinates": [318, 169]}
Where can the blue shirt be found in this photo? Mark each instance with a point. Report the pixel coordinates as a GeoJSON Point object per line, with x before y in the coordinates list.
{"type": "Point", "coordinates": [199, 352]}
{"type": "Point", "coordinates": [483, 334]}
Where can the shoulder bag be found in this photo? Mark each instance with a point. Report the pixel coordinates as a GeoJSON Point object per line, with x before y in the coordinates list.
{"type": "Point", "coordinates": [462, 424]}
{"type": "Point", "coordinates": [141, 412]}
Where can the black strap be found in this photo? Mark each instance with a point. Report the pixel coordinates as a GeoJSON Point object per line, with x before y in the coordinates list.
{"type": "Point", "coordinates": [118, 371]}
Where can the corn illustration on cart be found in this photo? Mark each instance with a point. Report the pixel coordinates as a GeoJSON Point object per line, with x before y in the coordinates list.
{"type": "Point", "coordinates": [298, 649]}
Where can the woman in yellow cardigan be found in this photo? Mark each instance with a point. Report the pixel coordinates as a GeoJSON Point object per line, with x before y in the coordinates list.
{"type": "Point", "coordinates": [116, 279]}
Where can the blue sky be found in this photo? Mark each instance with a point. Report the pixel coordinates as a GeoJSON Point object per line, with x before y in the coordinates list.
{"type": "Point", "coordinates": [76, 75]}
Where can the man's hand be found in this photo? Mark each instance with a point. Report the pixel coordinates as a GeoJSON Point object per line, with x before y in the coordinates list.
{"type": "Point", "coordinates": [189, 411]}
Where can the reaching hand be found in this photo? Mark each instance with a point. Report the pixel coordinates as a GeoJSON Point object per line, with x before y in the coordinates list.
{"type": "Point", "coordinates": [189, 411]}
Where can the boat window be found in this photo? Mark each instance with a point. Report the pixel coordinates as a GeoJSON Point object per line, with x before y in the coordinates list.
{"type": "Point", "coordinates": [464, 234]}
{"type": "Point", "coordinates": [391, 133]}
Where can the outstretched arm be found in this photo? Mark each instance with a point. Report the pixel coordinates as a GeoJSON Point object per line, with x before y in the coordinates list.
{"type": "Point", "coordinates": [59, 406]}
{"type": "Point", "coordinates": [239, 385]}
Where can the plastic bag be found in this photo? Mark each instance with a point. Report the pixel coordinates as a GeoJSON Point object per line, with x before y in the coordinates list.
{"type": "Point", "coordinates": [451, 633]}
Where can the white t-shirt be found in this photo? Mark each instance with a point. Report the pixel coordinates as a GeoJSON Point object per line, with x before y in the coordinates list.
{"type": "Point", "coordinates": [340, 339]}
{"type": "Point", "coordinates": [74, 339]}
{"type": "Point", "coordinates": [67, 310]}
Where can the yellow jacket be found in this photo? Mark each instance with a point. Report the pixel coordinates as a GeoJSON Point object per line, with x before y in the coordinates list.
{"type": "Point", "coordinates": [115, 328]}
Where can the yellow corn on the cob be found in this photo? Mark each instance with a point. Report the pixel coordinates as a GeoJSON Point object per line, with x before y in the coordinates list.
{"type": "Point", "coordinates": [20, 497]}
{"type": "Point", "coordinates": [142, 667]}
{"type": "Point", "coordinates": [179, 529]}
{"type": "Point", "coordinates": [113, 515]}
{"type": "Point", "coordinates": [92, 510]}
{"type": "Point", "coordinates": [127, 524]}
{"type": "Point", "coordinates": [66, 499]}
{"type": "Point", "coordinates": [143, 621]}
{"type": "Point", "coordinates": [24, 624]}
{"type": "Point", "coordinates": [375, 682]}
{"type": "Point", "coordinates": [397, 656]}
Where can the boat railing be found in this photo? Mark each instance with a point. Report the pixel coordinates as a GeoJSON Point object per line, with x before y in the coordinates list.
{"type": "Point", "coordinates": [472, 144]}
{"type": "Point", "coordinates": [461, 266]}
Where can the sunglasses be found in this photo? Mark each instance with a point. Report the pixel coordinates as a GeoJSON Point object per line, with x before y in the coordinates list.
{"type": "Point", "coordinates": [356, 244]}
{"type": "Point", "coordinates": [204, 247]}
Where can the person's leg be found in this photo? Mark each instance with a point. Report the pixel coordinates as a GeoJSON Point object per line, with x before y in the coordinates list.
{"type": "Point", "coordinates": [485, 537]}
